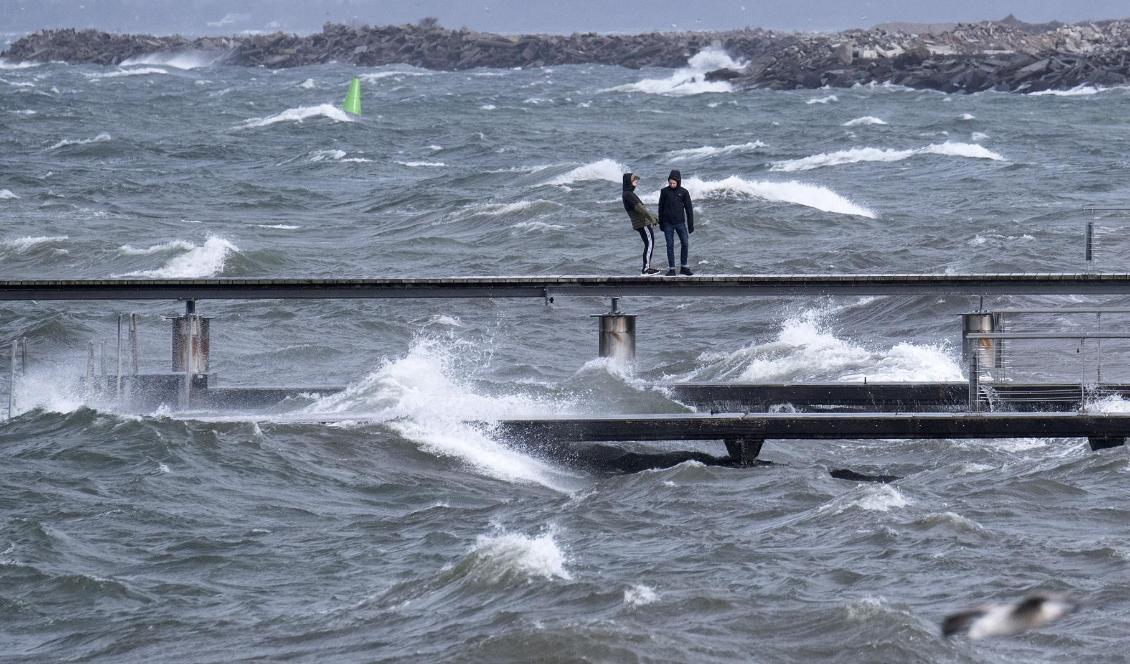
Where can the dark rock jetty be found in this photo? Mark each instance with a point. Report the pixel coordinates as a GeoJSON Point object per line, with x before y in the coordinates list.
{"type": "Point", "coordinates": [1006, 55]}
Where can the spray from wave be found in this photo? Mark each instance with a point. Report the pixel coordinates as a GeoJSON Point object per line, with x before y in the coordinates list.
{"type": "Point", "coordinates": [418, 397]}
{"type": "Point", "coordinates": [858, 155]}
{"type": "Point", "coordinates": [178, 60]}
{"type": "Point", "coordinates": [298, 115]}
{"type": "Point", "coordinates": [689, 80]}
{"type": "Point", "coordinates": [206, 260]}
{"type": "Point", "coordinates": [797, 193]}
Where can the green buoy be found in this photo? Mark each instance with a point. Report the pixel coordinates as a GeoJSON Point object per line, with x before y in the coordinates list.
{"type": "Point", "coordinates": [353, 98]}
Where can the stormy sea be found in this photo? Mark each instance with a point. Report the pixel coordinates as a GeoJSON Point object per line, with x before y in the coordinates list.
{"type": "Point", "coordinates": [395, 531]}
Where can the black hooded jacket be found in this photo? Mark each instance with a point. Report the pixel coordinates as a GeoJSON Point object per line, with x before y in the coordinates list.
{"type": "Point", "coordinates": [675, 204]}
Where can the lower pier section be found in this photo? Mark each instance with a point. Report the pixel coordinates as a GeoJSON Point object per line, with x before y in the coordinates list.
{"type": "Point", "coordinates": [744, 434]}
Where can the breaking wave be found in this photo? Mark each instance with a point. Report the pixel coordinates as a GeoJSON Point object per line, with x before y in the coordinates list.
{"type": "Point", "coordinates": [797, 193]}
{"type": "Point", "coordinates": [708, 151]}
{"type": "Point", "coordinates": [298, 115]}
{"type": "Point", "coordinates": [865, 120]}
{"type": "Point", "coordinates": [7, 195]}
{"type": "Point", "coordinates": [606, 169]}
{"type": "Point", "coordinates": [100, 138]}
{"type": "Point", "coordinates": [403, 393]}
{"type": "Point", "coordinates": [689, 80]}
{"type": "Point", "coordinates": [130, 250]}
{"type": "Point", "coordinates": [206, 260]}
{"type": "Point", "coordinates": [178, 60]}
{"type": "Point", "coordinates": [858, 155]}
{"type": "Point", "coordinates": [143, 71]}
{"type": "Point", "coordinates": [24, 244]}
{"type": "Point", "coordinates": [823, 100]}
{"type": "Point", "coordinates": [504, 554]}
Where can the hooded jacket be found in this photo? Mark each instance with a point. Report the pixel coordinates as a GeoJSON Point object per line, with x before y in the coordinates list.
{"type": "Point", "coordinates": [675, 204]}
{"type": "Point", "coordinates": [636, 211]}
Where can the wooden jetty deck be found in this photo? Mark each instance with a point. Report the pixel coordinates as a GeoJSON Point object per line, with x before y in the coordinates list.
{"type": "Point", "coordinates": [546, 286]}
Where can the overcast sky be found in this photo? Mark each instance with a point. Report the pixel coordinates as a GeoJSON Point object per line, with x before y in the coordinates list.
{"type": "Point", "coordinates": [510, 16]}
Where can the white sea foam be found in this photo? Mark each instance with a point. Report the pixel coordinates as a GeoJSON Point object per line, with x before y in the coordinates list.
{"type": "Point", "coordinates": [865, 120]}
{"type": "Point", "coordinates": [823, 100]}
{"type": "Point", "coordinates": [488, 107]}
{"type": "Point", "coordinates": [322, 155]}
{"type": "Point", "coordinates": [18, 84]}
{"type": "Point", "coordinates": [640, 595]}
{"type": "Point", "coordinates": [25, 112]}
{"type": "Point", "coordinates": [422, 164]}
{"type": "Point", "coordinates": [298, 115]}
{"type": "Point", "coordinates": [4, 64]}
{"type": "Point", "coordinates": [605, 169]}
{"type": "Point", "coordinates": [503, 209]}
{"type": "Point", "coordinates": [206, 260]}
{"type": "Point", "coordinates": [798, 193]}
{"type": "Point", "coordinates": [968, 116]}
{"type": "Point", "coordinates": [7, 195]}
{"type": "Point", "coordinates": [504, 553]}
{"type": "Point", "coordinates": [858, 155]}
{"type": "Point", "coordinates": [708, 151]}
{"type": "Point", "coordinates": [881, 498]}
{"type": "Point", "coordinates": [537, 226]}
{"type": "Point", "coordinates": [100, 138]}
{"type": "Point", "coordinates": [379, 75]}
{"type": "Point", "coordinates": [978, 136]}
{"type": "Point", "coordinates": [689, 80]}
{"type": "Point", "coordinates": [142, 71]}
{"type": "Point", "coordinates": [806, 349]}
{"type": "Point", "coordinates": [308, 84]}
{"type": "Point", "coordinates": [281, 227]}
{"type": "Point", "coordinates": [23, 244]}
{"type": "Point", "coordinates": [404, 392]}
{"type": "Point", "coordinates": [1109, 404]}
{"type": "Point", "coordinates": [178, 60]}
{"type": "Point", "coordinates": [1083, 90]}
{"type": "Point", "coordinates": [172, 245]}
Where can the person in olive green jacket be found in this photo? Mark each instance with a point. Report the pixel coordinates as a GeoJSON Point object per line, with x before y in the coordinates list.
{"type": "Point", "coordinates": [643, 221]}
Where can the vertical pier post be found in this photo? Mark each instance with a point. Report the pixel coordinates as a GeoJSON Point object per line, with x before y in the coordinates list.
{"type": "Point", "coordinates": [743, 451]}
{"type": "Point", "coordinates": [134, 346]}
{"type": "Point", "coordinates": [118, 379]}
{"type": "Point", "coordinates": [1090, 243]}
{"type": "Point", "coordinates": [90, 369]}
{"type": "Point", "coordinates": [991, 350]}
{"type": "Point", "coordinates": [12, 378]}
{"type": "Point", "coordinates": [617, 334]}
{"type": "Point", "coordinates": [190, 348]}
{"type": "Point", "coordinates": [974, 383]}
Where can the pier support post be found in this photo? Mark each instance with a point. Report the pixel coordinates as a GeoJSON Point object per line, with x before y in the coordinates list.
{"type": "Point", "coordinates": [1105, 442]}
{"type": "Point", "coordinates": [617, 334]}
{"type": "Point", "coordinates": [744, 451]}
{"type": "Point", "coordinates": [191, 346]}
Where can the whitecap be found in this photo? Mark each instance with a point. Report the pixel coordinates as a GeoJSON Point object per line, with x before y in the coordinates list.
{"type": "Point", "coordinates": [308, 84]}
{"type": "Point", "coordinates": [607, 170]}
{"type": "Point", "coordinates": [379, 75]}
{"type": "Point", "coordinates": [143, 71]}
{"type": "Point", "coordinates": [281, 227]}
{"type": "Point", "coordinates": [422, 164]}
{"type": "Point", "coordinates": [967, 116]}
{"type": "Point", "coordinates": [508, 553]}
{"type": "Point", "coordinates": [859, 155]}
{"type": "Point", "coordinates": [299, 114]}
{"type": "Point", "coordinates": [23, 244]}
{"type": "Point", "coordinates": [640, 595]}
{"type": "Point", "coordinates": [7, 195]}
{"type": "Point", "coordinates": [488, 107]}
{"type": "Point", "coordinates": [5, 64]}
{"type": "Point", "coordinates": [709, 151]}
{"type": "Point", "coordinates": [798, 193]}
{"type": "Point", "coordinates": [823, 100]}
{"type": "Point", "coordinates": [881, 498]}
{"type": "Point", "coordinates": [206, 260]}
{"type": "Point", "coordinates": [171, 245]}
{"type": "Point", "coordinates": [178, 60]}
{"type": "Point", "coordinates": [865, 120]}
{"type": "Point", "coordinates": [689, 80]}
{"type": "Point", "coordinates": [1083, 90]}
{"type": "Point", "coordinates": [537, 226]}
{"type": "Point", "coordinates": [100, 138]}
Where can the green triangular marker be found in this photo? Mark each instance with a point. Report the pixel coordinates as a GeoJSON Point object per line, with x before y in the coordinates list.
{"type": "Point", "coordinates": [353, 98]}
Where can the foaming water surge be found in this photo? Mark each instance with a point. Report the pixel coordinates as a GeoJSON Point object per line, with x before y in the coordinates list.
{"type": "Point", "coordinates": [420, 397]}
{"type": "Point", "coordinates": [797, 193]}
{"type": "Point", "coordinates": [858, 155]}
{"type": "Point", "coordinates": [689, 80]}
{"type": "Point", "coordinates": [299, 114]}
{"type": "Point", "coordinates": [805, 349]}
{"type": "Point", "coordinates": [179, 60]}
{"type": "Point", "coordinates": [197, 261]}
{"type": "Point", "coordinates": [503, 554]}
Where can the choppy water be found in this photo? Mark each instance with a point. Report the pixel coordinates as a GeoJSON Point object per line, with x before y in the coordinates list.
{"type": "Point", "coordinates": [406, 535]}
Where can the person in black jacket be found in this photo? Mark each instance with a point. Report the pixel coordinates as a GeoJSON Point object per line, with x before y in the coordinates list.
{"type": "Point", "coordinates": [643, 221]}
{"type": "Point", "coordinates": [676, 215]}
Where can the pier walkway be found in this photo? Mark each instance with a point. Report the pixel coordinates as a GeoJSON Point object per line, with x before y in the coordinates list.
{"type": "Point", "coordinates": [548, 286]}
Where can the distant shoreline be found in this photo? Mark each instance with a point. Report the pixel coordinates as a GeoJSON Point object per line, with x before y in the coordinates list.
{"type": "Point", "coordinates": [1006, 55]}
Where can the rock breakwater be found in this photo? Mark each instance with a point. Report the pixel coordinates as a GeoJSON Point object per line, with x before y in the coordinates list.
{"type": "Point", "coordinates": [1004, 55]}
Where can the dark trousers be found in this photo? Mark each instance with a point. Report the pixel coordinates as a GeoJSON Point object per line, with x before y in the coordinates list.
{"type": "Point", "coordinates": [647, 234]}
{"type": "Point", "coordinates": [684, 242]}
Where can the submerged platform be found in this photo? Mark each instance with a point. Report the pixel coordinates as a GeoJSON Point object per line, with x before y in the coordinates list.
{"type": "Point", "coordinates": [546, 286]}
